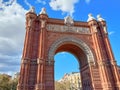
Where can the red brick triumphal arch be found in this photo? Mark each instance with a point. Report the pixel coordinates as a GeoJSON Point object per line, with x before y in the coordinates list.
{"type": "Point", "coordinates": [88, 41]}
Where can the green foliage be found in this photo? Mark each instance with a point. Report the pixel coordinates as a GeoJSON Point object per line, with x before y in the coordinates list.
{"type": "Point", "coordinates": [14, 83]}
{"type": "Point", "coordinates": [7, 83]}
{"type": "Point", "coordinates": [62, 85]}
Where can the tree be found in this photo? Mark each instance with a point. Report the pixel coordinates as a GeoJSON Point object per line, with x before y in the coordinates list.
{"type": "Point", "coordinates": [59, 86]}
{"type": "Point", "coordinates": [4, 82]}
{"type": "Point", "coordinates": [7, 83]}
{"type": "Point", "coordinates": [62, 85]}
{"type": "Point", "coordinates": [14, 83]}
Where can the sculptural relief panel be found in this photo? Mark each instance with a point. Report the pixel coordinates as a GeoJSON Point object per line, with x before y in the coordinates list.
{"type": "Point", "coordinates": [73, 29]}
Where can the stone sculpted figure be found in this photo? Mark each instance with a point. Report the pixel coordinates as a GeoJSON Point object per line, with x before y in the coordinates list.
{"type": "Point", "coordinates": [32, 9]}
{"type": "Point", "coordinates": [90, 17]}
{"type": "Point", "coordinates": [43, 11]}
{"type": "Point", "coordinates": [99, 18]}
{"type": "Point", "coordinates": [68, 21]}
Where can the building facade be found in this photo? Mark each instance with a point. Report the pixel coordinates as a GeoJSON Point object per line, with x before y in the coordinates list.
{"type": "Point", "coordinates": [88, 41]}
{"type": "Point", "coordinates": [73, 79]}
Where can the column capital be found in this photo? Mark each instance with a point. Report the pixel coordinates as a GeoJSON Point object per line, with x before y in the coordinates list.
{"type": "Point", "coordinates": [25, 61]}
{"type": "Point", "coordinates": [92, 64]}
{"type": "Point", "coordinates": [102, 63]}
{"type": "Point", "coordinates": [40, 61]}
{"type": "Point", "coordinates": [113, 62]}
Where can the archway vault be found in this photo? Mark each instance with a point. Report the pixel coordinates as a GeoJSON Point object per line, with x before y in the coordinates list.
{"type": "Point", "coordinates": [73, 41]}
{"type": "Point", "coordinates": [78, 48]}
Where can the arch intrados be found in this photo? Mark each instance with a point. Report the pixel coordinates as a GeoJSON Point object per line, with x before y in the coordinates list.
{"type": "Point", "coordinates": [71, 48]}
{"type": "Point", "coordinates": [74, 41]}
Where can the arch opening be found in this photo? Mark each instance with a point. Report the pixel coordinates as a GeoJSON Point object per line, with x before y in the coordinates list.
{"type": "Point", "coordinates": [81, 51]}
{"type": "Point", "coordinates": [74, 50]}
{"type": "Point", "coordinates": [66, 71]}
{"type": "Point", "coordinates": [71, 79]}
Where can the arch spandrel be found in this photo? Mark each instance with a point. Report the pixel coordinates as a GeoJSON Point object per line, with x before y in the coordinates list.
{"type": "Point", "coordinates": [78, 42]}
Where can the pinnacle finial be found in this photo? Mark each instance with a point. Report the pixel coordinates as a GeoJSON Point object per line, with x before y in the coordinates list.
{"type": "Point", "coordinates": [32, 9]}
{"type": "Point", "coordinates": [43, 11]}
{"type": "Point", "coordinates": [99, 18]}
{"type": "Point", "coordinates": [90, 17]}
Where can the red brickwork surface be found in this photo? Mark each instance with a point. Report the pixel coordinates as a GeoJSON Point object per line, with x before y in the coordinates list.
{"type": "Point", "coordinates": [88, 41]}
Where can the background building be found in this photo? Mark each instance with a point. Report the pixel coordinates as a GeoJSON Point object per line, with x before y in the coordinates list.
{"type": "Point", "coordinates": [73, 79]}
{"type": "Point", "coordinates": [16, 75]}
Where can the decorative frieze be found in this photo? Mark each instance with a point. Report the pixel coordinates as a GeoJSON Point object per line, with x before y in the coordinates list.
{"type": "Point", "coordinates": [63, 28]}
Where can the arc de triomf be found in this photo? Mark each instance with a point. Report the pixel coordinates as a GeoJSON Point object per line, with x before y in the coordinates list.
{"type": "Point", "coordinates": [88, 41]}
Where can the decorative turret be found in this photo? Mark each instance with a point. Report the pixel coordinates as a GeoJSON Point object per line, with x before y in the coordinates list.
{"type": "Point", "coordinates": [43, 11]}
{"type": "Point", "coordinates": [92, 23]}
{"type": "Point", "coordinates": [99, 18]}
{"type": "Point", "coordinates": [30, 26]}
{"type": "Point", "coordinates": [102, 22]}
{"type": "Point", "coordinates": [43, 17]}
{"type": "Point", "coordinates": [32, 10]}
{"type": "Point", "coordinates": [30, 17]}
{"type": "Point", "coordinates": [40, 85]}
{"type": "Point", "coordinates": [90, 17]}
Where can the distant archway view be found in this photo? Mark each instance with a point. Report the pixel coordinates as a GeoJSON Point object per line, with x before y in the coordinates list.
{"type": "Point", "coordinates": [87, 41]}
{"type": "Point", "coordinates": [67, 74]}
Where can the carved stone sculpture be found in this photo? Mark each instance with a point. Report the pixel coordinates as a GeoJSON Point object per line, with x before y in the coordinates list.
{"type": "Point", "coordinates": [99, 18]}
{"type": "Point", "coordinates": [43, 11]}
{"type": "Point", "coordinates": [32, 9]}
{"type": "Point", "coordinates": [68, 20]}
{"type": "Point", "coordinates": [90, 17]}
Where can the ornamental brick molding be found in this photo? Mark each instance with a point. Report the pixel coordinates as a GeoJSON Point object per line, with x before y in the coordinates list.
{"type": "Point", "coordinates": [87, 41]}
{"type": "Point", "coordinates": [72, 40]}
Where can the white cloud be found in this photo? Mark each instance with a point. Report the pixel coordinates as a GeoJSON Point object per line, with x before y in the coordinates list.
{"type": "Point", "coordinates": [63, 5]}
{"type": "Point", "coordinates": [12, 31]}
{"type": "Point", "coordinates": [8, 2]}
{"type": "Point", "coordinates": [41, 1]}
{"type": "Point", "coordinates": [111, 32]}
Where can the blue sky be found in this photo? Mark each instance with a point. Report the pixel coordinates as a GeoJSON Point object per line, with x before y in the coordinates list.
{"type": "Point", "coordinates": [12, 26]}
{"type": "Point", "coordinates": [65, 62]}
